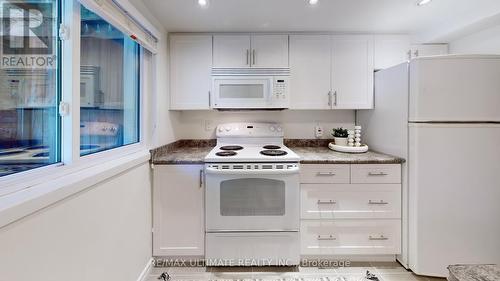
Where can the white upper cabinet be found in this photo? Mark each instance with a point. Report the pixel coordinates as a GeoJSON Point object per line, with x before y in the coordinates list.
{"type": "Point", "coordinates": [190, 71]}
{"type": "Point", "coordinates": [424, 50]}
{"type": "Point", "coordinates": [232, 51]}
{"type": "Point", "coordinates": [244, 51]}
{"type": "Point", "coordinates": [269, 51]}
{"type": "Point", "coordinates": [310, 67]}
{"type": "Point", "coordinates": [352, 72]}
{"type": "Point", "coordinates": [390, 50]}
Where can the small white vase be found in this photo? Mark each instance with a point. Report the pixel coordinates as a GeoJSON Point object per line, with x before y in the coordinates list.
{"type": "Point", "coordinates": [340, 141]}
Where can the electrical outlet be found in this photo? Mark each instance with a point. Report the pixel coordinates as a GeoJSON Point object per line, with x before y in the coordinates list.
{"type": "Point", "coordinates": [209, 125]}
{"type": "Point", "coordinates": [318, 131]}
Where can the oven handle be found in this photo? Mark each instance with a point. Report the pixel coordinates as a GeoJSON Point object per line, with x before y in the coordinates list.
{"type": "Point", "coordinates": [290, 171]}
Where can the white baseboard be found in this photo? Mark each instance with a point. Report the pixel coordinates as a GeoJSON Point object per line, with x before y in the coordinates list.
{"type": "Point", "coordinates": [145, 272]}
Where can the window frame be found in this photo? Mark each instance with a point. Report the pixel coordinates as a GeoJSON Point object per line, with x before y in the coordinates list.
{"type": "Point", "coordinates": [69, 143]}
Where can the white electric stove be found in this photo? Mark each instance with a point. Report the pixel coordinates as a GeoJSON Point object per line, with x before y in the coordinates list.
{"type": "Point", "coordinates": [252, 197]}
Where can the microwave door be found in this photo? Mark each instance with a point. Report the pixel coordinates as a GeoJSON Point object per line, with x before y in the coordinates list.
{"type": "Point", "coordinates": [241, 93]}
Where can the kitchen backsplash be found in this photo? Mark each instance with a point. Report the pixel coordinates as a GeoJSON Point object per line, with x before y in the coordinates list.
{"type": "Point", "coordinates": [296, 124]}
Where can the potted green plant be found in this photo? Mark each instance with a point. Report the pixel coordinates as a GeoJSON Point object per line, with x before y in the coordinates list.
{"type": "Point", "coordinates": [340, 136]}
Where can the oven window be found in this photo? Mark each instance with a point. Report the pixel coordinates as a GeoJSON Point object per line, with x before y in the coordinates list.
{"type": "Point", "coordinates": [241, 91]}
{"type": "Point", "coordinates": [252, 197]}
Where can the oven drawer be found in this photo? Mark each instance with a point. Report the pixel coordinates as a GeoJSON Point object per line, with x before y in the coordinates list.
{"type": "Point", "coordinates": [350, 237]}
{"type": "Point", "coordinates": [348, 201]}
{"type": "Point", "coordinates": [366, 173]}
{"type": "Point", "coordinates": [312, 173]}
{"type": "Point", "coordinates": [265, 248]}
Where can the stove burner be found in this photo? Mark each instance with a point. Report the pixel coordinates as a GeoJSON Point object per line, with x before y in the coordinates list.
{"type": "Point", "coordinates": [271, 146]}
{"type": "Point", "coordinates": [226, 153]}
{"type": "Point", "coordinates": [273, 152]}
{"type": "Point", "coordinates": [231, 147]}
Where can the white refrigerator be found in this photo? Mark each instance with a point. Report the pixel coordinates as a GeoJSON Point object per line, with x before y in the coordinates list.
{"type": "Point", "coordinates": [442, 114]}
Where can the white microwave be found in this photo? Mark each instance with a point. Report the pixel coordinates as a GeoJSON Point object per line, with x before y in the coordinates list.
{"type": "Point", "coordinates": [250, 91]}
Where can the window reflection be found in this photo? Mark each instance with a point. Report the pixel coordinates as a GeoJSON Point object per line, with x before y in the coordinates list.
{"type": "Point", "coordinates": [109, 86]}
{"type": "Point", "coordinates": [29, 75]}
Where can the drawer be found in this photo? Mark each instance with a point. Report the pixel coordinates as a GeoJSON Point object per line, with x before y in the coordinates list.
{"type": "Point", "coordinates": [350, 201]}
{"type": "Point", "coordinates": [350, 237]}
{"type": "Point", "coordinates": [312, 173]}
{"type": "Point", "coordinates": [366, 173]}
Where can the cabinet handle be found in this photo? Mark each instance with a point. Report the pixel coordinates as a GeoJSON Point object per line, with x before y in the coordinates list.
{"type": "Point", "coordinates": [326, 202]}
{"type": "Point", "coordinates": [381, 238]}
{"type": "Point", "coordinates": [248, 56]}
{"type": "Point", "coordinates": [328, 237]}
{"type": "Point", "coordinates": [209, 100]}
{"type": "Point", "coordinates": [381, 202]}
{"type": "Point", "coordinates": [377, 174]}
{"type": "Point", "coordinates": [201, 178]}
{"type": "Point", "coordinates": [335, 99]}
{"type": "Point", "coordinates": [253, 55]}
{"type": "Point", "coordinates": [330, 98]}
{"type": "Point", "coordinates": [325, 174]}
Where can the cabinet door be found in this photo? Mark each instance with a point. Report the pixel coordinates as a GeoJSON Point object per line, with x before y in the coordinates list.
{"type": "Point", "coordinates": [178, 210]}
{"type": "Point", "coordinates": [425, 50]}
{"type": "Point", "coordinates": [232, 51]}
{"type": "Point", "coordinates": [190, 71]}
{"type": "Point", "coordinates": [310, 67]}
{"type": "Point", "coordinates": [269, 51]}
{"type": "Point", "coordinates": [352, 72]}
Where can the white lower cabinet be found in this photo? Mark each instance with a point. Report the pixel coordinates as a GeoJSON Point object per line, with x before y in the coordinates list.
{"type": "Point", "coordinates": [350, 210]}
{"type": "Point", "coordinates": [350, 237]}
{"type": "Point", "coordinates": [178, 210]}
{"type": "Point", "coordinates": [350, 201]}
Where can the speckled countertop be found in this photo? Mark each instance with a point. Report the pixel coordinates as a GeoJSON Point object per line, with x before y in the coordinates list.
{"type": "Point", "coordinates": [474, 272]}
{"type": "Point", "coordinates": [310, 152]}
{"type": "Point", "coordinates": [182, 152]}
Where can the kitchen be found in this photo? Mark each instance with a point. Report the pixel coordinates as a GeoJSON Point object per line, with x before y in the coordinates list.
{"type": "Point", "coordinates": [210, 140]}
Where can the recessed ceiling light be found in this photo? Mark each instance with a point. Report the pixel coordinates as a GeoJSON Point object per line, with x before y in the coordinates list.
{"type": "Point", "coordinates": [313, 2]}
{"type": "Point", "coordinates": [203, 3]}
{"type": "Point", "coordinates": [423, 2]}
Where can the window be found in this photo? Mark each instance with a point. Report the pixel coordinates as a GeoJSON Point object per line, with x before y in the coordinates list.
{"type": "Point", "coordinates": [29, 85]}
{"type": "Point", "coordinates": [109, 86]}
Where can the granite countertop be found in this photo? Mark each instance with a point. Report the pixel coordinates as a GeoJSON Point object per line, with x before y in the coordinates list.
{"type": "Point", "coordinates": [324, 155]}
{"type": "Point", "coordinates": [182, 152]}
{"type": "Point", "coordinates": [310, 152]}
{"type": "Point", "coordinates": [474, 272]}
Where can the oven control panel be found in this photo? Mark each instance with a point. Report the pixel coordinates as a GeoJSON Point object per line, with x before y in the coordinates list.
{"type": "Point", "coordinates": [249, 130]}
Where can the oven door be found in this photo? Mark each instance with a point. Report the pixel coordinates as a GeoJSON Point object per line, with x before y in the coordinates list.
{"type": "Point", "coordinates": [252, 200]}
{"type": "Point", "coordinates": [232, 92]}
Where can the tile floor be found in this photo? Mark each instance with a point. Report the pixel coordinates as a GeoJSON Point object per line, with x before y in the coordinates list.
{"type": "Point", "coordinates": [385, 271]}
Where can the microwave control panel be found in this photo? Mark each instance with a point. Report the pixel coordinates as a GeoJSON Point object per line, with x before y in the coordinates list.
{"type": "Point", "coordinates": [280, 88]}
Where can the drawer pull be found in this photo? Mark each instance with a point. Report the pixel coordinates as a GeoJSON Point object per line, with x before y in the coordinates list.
{"type": "Point", "coordinates": [381, 238]}
{"type": "Point", "coordinates": [328, 237]}
{"type": "Point", "coordinates": [381, 202]}
{"type": "Point", "coordinates": [329, 174]}
{"type": "Point", "coordinates": [326, 202]}
{"type": "Point", "coordinates": [377, 174]}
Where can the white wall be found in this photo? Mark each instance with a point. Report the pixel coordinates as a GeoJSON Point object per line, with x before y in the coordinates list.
{"type": "Point", "coordinates": [163, 120]}
{"type": "Point", "coordinates": [296, 124]}
{"type": "Point", "coordinates": [486, 41]}
{"type": "Point", "coordinates": [102, 233]}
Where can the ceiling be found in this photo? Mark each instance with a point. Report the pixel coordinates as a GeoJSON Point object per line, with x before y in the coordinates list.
{"type": "Point", "coordinates": [428, 23]}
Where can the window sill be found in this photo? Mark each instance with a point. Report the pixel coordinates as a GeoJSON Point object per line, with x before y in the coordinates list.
{"type": "Point", "coordinates": [17, 205]}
